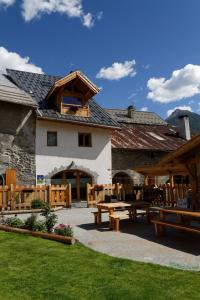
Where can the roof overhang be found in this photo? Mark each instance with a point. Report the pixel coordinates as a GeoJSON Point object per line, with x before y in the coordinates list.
{"type": "Point", "coordinates": [40, 117]}
{"type": "Point", "coordinates": [157, 170]}
{"type": "Point", "coordinates": [91, 88]}
{"type": "Point", "coordinates": [182, 153]}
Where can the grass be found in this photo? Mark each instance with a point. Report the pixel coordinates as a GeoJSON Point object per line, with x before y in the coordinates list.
{"type": "Point", "coordinates": [33, 268]}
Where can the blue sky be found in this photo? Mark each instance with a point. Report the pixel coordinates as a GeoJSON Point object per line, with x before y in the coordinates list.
{"type": "Point", "coordinates": [128, 48]}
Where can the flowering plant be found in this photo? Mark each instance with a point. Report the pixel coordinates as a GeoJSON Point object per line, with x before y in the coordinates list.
{"type": "Point", "coordinates": [63, 229]}
{"type": "Point", "coordinates": [98, 187]}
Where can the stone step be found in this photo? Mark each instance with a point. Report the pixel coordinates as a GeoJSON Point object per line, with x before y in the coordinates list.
{"type": "Point", "coordinates": [79, 204]}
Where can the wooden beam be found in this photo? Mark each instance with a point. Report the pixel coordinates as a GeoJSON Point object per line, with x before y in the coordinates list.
{"type": "Point", "coordinates": [78, 185]}
{"type": "Point", "coordinates": [72, 94]}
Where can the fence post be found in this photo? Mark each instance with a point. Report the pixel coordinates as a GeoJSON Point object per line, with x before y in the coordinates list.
{"type": "Point", "coordinates": [69, 195]}
{"type": "Point", "coordinates": [12, 198]}
{"type": "Point", "coordinates": [49, 195]}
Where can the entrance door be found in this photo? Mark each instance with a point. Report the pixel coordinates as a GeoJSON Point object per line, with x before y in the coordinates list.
{"type": "Point", "coordinates": [78, 180]}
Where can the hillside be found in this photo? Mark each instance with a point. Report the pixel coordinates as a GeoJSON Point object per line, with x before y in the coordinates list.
{"type": "Point", "coordinates": [193, 118]}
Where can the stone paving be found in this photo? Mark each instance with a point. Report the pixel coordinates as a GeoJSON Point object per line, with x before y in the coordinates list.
{"type": "Point", "coordinates": [135, 241]}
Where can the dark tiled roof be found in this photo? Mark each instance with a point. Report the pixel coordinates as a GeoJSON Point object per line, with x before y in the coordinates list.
{"type": "Point", "coordinates": [138, 117]}
{"type": "Point", "coordinates": [9, 92]}
{"type": "Point", "coordinates": [146, 137]}
{"type": "Point", "coordinates": [38, 86]}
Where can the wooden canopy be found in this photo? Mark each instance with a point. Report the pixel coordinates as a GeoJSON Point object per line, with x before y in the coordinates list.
{"type": "Point", "coordinates": [188, 153]}
{"type": "Point", "coordinates": [80, 83]}
{"type": "Point", "coordinates": [183, 161]}
{"type": "Point", "coordinates": [157, 170]}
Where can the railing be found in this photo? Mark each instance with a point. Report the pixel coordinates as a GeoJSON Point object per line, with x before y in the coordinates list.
{"type": "Point", "coordinates": [97, 193]}
{"type": "Point", "coordinates": [163, 195]}
{"type": "Point", "coordinates": [20, 197]}
{"type": "Point", "coordinates": [166, 195]}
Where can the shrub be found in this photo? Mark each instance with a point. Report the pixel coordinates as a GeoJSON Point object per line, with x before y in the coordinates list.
{"type": "Point", "coordinates": [36, 203]}
{"type": "Point", "coordinates": [14, 222]}
{"type": "Point", "coordinates": [30, 222]}
{"type": "Point", "coordinates": [40, 226]}
{"type": "Point", "coordinates": [63, 229]}
{"type": "Point", "coordinates": [50, 218]}
{"type": "Point", "coordinates": [2, 218]}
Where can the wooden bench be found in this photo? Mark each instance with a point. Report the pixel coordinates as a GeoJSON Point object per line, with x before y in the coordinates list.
{"type": "Point", "coordinates": [115, 219]}
{"type": "Point", "coordinates": [159, 226]}
{"type": "Point", "coordinates": [95, 213]}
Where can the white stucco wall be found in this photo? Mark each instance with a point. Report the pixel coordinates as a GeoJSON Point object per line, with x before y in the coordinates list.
{"type": "Point", "coordinates": [95, 160]}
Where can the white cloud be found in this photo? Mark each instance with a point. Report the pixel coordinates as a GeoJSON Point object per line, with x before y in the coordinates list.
{"type": "Point", "coordinates": [183, 107]}
{"type": "Point", "coordinates": [191, 102]}
{"type": "Point", "coordinates": [88, 20]}
{"type": "Point", "coordinates": [72, 8]}
{"type": "Point", "coordinates": [100, 15]}
{"type": "Point", "coordinates": [146, 67]}
{"type": "Point", "coordinates": [183, 83]}
{"type": "Point", "coordinates": [12, 60]}
{"type": "Point", "coordinates": [118, 70]}
{"type": "Point", "coordinates": [6, 3]}
{"type": "Point", "coordinates": [145, 108]}
{"type": "Point", "coordinates": [132, 96]}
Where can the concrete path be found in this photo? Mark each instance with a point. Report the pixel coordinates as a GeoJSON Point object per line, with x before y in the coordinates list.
{"type": "Point", "coordinates": [136, 241]}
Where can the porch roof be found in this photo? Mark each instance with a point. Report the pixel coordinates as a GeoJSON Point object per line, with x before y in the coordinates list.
{"type": "Point", "coordinates": [157, 170]}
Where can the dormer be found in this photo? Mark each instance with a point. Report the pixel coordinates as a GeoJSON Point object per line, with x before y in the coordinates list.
{"type": "Point", "coordinates": [71, 94]}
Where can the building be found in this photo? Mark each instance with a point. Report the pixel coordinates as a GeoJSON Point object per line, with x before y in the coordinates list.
{"type": "Point", "coordinates": [53, 132]}
{"type": "Point", "coordinates": [144, 139]}
{"type": "Point", "coordinates": [72, 134]}
{"type": "Point", "coordinates": [17, 131]}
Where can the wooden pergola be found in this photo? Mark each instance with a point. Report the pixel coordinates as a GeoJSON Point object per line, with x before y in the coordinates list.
{"type": "Point", "coordinates": [183, 161]}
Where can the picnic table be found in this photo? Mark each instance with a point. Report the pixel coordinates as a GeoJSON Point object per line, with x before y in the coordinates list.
{"type": "Point", "coordinates": [111, 207]}
{"type": "Point", "coordinates": [115, 215]}
{"type": "Point", "coordinates": [179, 223]}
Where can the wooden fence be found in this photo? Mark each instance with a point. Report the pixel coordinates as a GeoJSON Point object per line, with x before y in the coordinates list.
{"type": "Point", "coordinates": [97, 193]}
{"type": "Point", "coordinates": [20, 197]}
{"type": "Point", "coordinates": [163, 195]}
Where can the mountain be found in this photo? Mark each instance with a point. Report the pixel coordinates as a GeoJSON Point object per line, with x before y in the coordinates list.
{"type": "Point", "coordinates": [194, 119]}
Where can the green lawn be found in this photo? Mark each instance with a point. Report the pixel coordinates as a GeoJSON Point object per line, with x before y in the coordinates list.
{"type": "Point", "coordinates": [33, 268]}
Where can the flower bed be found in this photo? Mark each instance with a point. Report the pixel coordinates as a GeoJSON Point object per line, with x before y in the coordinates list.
{"type": "Point", "coordinates": [42, 228]}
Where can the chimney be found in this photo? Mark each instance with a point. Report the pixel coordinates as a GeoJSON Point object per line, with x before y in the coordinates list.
{"type": "Point", "coordinates": [184, 127]}
{"type": "Point", "coordinates": [131, 110]}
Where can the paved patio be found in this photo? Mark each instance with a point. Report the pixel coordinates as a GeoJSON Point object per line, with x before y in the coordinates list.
{"type": "Point", "coordinates": [135, 241]}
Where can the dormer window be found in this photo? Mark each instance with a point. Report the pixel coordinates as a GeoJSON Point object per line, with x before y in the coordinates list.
{"type": "Point", "coordinates": [72, 93]}
{"type": "Point", "coordinates": [71, 101]}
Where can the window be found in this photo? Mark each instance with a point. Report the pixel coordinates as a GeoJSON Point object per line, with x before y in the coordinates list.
{"type": "Point", "coordinates": [71, 100]}
{"type": "Point", "coordinates": [52, 138]}
{"type": "Point", "coordinates": [85, 140]}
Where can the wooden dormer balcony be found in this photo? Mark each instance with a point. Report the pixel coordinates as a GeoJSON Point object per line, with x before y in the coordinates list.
{"type": "Point", "coordinates": [72, 93]}
{"type": "Point", "coordinates": [75, 110]}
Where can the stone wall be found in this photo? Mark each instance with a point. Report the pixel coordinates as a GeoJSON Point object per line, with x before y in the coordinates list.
{"type": "Point", "coordinates": [17, 141]}
{"type": "Point", "coordinates": [124, 160]}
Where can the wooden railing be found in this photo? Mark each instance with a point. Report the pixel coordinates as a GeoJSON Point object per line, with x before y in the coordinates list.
{"type": "Point", "coordinates": [20, 197]}
{"type": "Point", "coordinates": [163, 195]}
{"type": "Point", "coordinates": [97, 193]}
